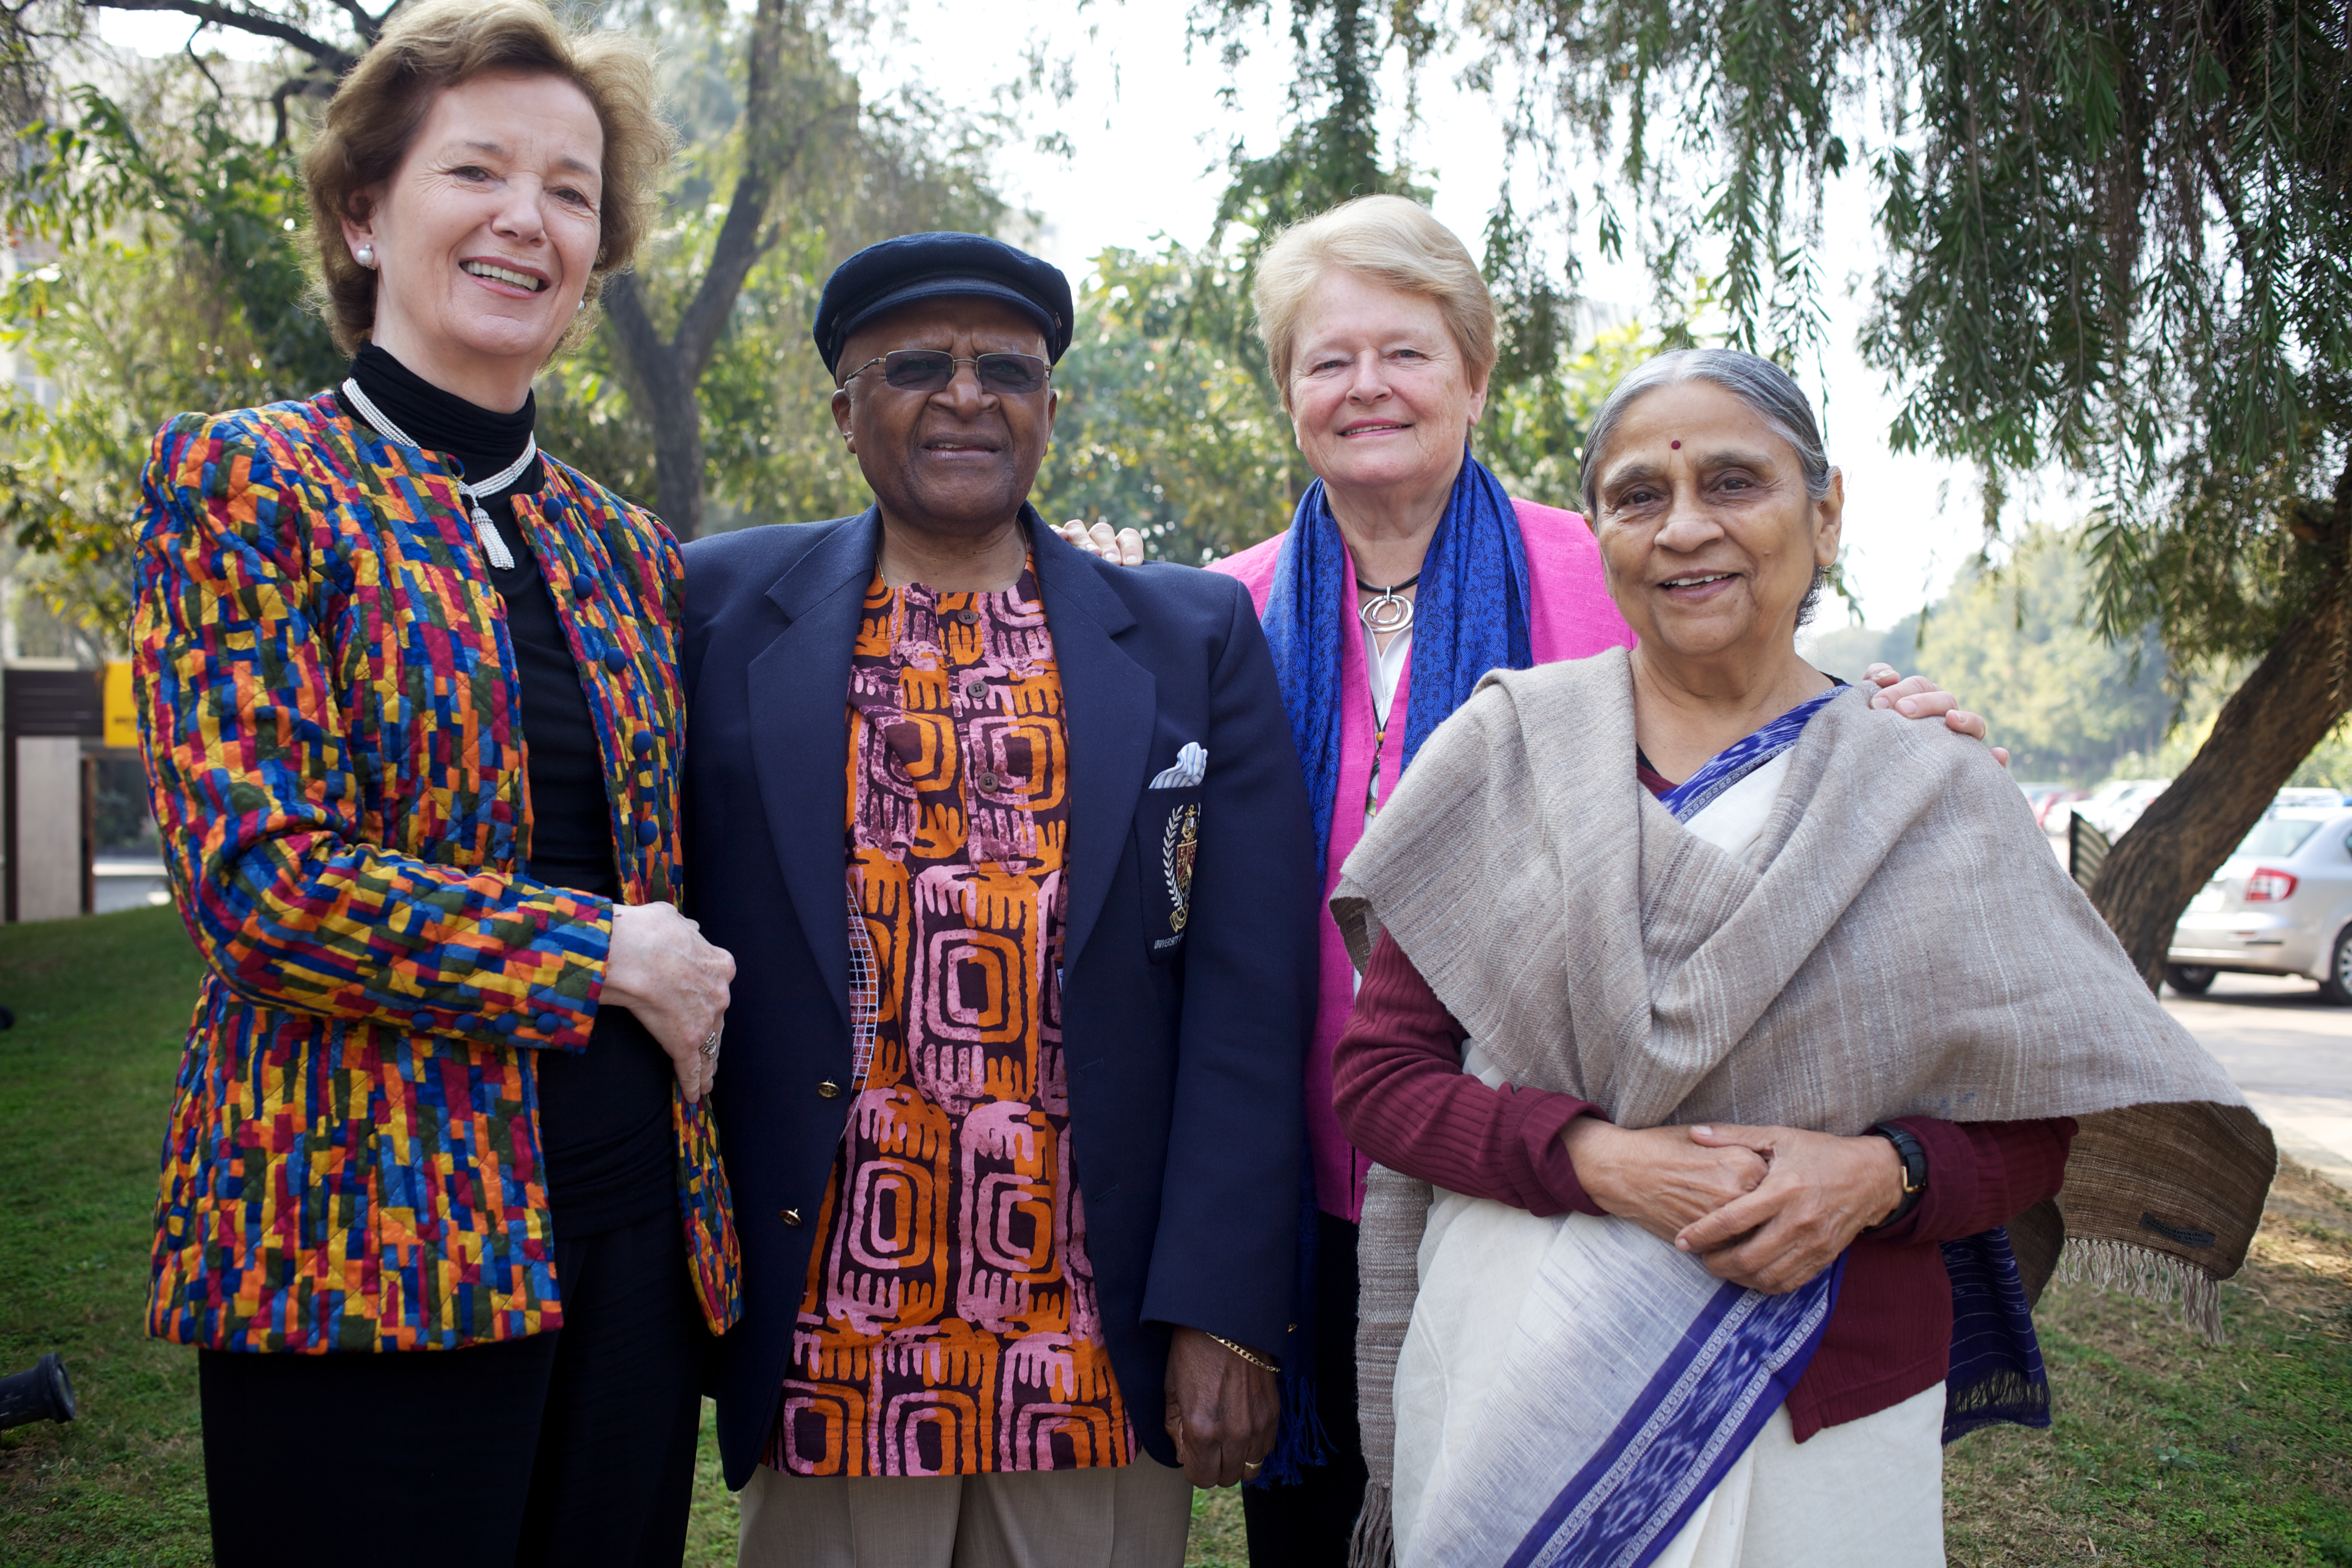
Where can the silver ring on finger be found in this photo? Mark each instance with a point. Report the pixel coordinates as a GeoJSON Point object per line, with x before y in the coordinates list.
{"type": "Point", "coordinates": [710, 1045]}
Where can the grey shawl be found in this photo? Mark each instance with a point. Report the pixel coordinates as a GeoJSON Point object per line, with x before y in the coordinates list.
{"type": "Point", "coordinates": [1897, 941]}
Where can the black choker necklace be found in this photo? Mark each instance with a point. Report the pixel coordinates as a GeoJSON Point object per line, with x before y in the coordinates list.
{"type": "Point", "coordinates": [1387, 612]}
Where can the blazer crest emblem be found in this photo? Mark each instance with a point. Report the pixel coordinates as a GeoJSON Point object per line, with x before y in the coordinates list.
{"type": "Point", "coordinates": [1177, 846]}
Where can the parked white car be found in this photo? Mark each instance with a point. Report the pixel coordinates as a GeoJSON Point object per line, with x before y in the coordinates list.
{"type": "Point", "coordinates": [2115, 805]}
{"type": "Point", "coordinates": [2281, 904]}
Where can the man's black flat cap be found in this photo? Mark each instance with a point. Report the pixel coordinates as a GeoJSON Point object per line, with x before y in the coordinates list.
{"type": "Point", "coordinates": [939, 266]}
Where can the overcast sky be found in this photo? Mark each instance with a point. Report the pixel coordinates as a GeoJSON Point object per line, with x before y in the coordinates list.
{"type": "Point", "coordinates": [1147, 135]}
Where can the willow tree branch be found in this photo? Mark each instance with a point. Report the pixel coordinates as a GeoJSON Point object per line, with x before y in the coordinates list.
{"type": "Point", "coordinates": [260, 23]}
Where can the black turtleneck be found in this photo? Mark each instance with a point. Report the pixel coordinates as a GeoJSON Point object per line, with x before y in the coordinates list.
{"type": "Point", "coordinates": [603, 1119]}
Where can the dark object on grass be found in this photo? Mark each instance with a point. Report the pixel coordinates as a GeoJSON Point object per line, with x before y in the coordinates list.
{"type": "Point", "coordinates": [8, 1019]}
{"type": "Point", "coordinates": [41, 1394]}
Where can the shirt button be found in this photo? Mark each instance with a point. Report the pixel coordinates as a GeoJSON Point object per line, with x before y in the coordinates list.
{"type": "Point", "coordinates": [549, 1023]}
{"type": "Point", "coordinates": [615, 660]}
{"type": "Point", "coordinates": [828, 1090]}
{"type": "Point", "coordinates": [647, 832]}
{"type": "Point", "coordinates": [968, 617]}
{"type": "Point", "coordinates": [584, 588]}
{"type": "Point", "coordinates": [989, 781]}
{"type": "Point", "coordinates": [422, 1020]}
{"type": "Point", "coordinates": [466, 1023]}
{"type": "Point", "coordinates": [642, 743]}
{"type": "Point", "coordinates": [508, 1024]}
{"type": "Point", "coordinates": [790, 1216]}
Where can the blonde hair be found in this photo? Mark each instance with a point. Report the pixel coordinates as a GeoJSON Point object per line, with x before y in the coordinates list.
{"type": "Point", "coordinates": [375, 114]}
{"type": "Point", "coordinates": [1386, 240]}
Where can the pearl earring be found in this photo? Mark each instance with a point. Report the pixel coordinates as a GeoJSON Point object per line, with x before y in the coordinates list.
{"type": "Point", "coordinates": [365, 255]}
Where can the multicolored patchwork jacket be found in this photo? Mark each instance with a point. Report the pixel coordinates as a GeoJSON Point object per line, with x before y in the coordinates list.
{"type": "Point", "coordinates": [328, 705]}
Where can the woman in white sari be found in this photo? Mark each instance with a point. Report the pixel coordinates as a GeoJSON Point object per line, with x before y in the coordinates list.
{"type": "Point", "coordinates": [1727, 1126]}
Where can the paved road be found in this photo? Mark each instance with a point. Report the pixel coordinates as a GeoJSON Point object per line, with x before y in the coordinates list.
{"type": "Point", "coordinates": [2292, 1054]}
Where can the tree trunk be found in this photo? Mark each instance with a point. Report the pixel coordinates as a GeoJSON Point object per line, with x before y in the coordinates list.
{"type": "Point", "coordinates": [666, 370]}
{"type": "Point", "coordinates": [661, 381]}
{"type": "Point", "coordinates": [2298, 693]}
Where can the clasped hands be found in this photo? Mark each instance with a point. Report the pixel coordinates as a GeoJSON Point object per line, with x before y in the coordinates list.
{"type": "Point", "coordinates": [1764, 1207]}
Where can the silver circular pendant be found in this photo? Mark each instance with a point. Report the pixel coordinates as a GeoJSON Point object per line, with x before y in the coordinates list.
{"type": "Point", "coordinates": [1387, 613]}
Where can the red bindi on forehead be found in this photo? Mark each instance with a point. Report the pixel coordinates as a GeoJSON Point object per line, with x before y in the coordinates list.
{"type": "Point", "coordinates": [1678, 446]}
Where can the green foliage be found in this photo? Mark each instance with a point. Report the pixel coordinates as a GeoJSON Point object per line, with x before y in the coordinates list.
{"type": "Point", "coordinates": [176, 279]}
{"type": "Point", "coordinates": [1533, 432]}
{"type": "Point", "coordinates": [171, 284]}
{"type": "Point", "coordinates": [863, 172]}
{"type": "Point", "coordinates": [2015, 644]}
{"type": "Point", "coordinates": [2329, 765]}
{"type": "Point", "coordinates": [1164, 426]}
{"type": "Point", "coordinates": [2118, 239]}
{"type": "Point", "coordinates": [1331, 150]}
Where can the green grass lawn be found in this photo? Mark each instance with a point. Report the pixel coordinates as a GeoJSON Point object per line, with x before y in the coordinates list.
{"type": "Point", "coordinates": [2165, 1450]}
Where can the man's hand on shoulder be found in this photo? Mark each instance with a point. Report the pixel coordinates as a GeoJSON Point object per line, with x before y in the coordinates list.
{"type": "Point", "coordinates": [1221, 1410]}
{"type": "Point", "coordinates": [1124, 548]}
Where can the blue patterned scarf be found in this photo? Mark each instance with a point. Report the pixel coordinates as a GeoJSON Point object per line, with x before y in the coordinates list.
{"type": "Point", "coordinates": [1470, 615]}
{"type": "Point", "coordinates": [1740, 758]}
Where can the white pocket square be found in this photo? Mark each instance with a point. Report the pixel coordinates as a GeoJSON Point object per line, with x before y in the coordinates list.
{"type": "Point", "coordinates": [1191, 767]}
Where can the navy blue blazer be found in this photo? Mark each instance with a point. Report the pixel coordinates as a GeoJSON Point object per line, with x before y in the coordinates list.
{"type": "Point", "coordinates": [1184, 1072]}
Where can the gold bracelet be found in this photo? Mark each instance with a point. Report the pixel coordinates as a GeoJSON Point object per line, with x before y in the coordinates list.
{"type": "Point", "coordinates": [1249, 1355]}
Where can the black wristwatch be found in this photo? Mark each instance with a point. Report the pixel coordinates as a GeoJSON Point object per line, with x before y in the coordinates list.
{"type": "Point", "coordinates": [1914, 1170]}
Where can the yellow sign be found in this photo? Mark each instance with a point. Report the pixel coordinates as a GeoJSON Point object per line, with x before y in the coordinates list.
{"type": "Point", "coordinates": [122, 718]}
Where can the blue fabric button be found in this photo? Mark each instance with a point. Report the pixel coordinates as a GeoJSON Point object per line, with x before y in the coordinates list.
{"type": "Point", "coordinates": [508, 1024]}
{"type": "Point", "coordinates": [466, 1023]}
{"type": "Point", "coordinates": [585, 586]}
{"type": "Point", "coordinates": [647, 832]}
{"type": "Point", "coordinates": [422, 1020]}
{"type": "Point", "coordinates": [615, 660]}
{"type": "Point", "coordinates": [549, 1023]}
{"type": "Point", "coordinates": [642, 743]}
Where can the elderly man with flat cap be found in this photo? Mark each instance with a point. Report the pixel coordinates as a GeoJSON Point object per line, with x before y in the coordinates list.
{"type": "Point", "coordinates": [1012, 852]}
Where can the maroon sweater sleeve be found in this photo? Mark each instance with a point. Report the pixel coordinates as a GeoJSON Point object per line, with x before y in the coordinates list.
{"type": "Point", "coordinates": [1890, 1335]}
{"type": "Point", "coordinates": [1402, 1097]}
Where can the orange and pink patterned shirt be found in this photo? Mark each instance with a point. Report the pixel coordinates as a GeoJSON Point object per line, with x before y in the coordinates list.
{"type": "Point", "coordinates": [950, 1325]}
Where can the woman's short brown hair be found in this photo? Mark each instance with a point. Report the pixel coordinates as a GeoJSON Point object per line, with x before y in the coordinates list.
{"type": "Point", "coordinates": [376, 112]}
{"type": "Point", "coordinates": [1386, 240]}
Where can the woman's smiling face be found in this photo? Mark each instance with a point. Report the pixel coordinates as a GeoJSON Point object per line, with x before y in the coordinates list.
{"type": "Point", "coordinates": [1379, 396]}
{"type": "Point", "coordinates": [485, 235]}
{"type": "Point", "coordinates": [1706, 532]}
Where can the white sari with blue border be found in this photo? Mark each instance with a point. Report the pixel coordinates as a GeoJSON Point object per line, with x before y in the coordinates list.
{"type": "Point", "coordinates": [1646, 1377]}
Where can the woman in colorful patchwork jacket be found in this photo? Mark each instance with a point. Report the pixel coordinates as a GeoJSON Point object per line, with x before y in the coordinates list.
{"type": "Point", "coordinates": [441, 1210]}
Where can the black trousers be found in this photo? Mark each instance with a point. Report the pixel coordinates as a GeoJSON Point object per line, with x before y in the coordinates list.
{"type": "Point", "coordinates": [1307, 1525]}
{"type": "Point", "coordinates": [574, 1447]}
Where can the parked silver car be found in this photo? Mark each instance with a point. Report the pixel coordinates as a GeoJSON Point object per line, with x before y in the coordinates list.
{"type": "Point", "coordinates": [2282, 904]}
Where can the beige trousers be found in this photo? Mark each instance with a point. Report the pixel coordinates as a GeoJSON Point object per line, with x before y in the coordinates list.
{"type": "Point", "coordinates": [1136, 1516]}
